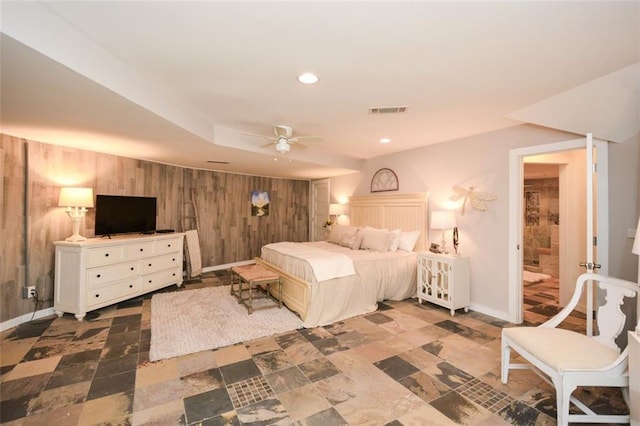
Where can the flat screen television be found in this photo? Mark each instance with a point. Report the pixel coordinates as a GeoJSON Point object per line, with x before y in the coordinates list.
{"type": "Point", "coordinates": [119, 214]}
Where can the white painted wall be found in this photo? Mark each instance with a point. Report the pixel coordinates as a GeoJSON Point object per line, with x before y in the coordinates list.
{"type": "Point", "coordinates": [482, 161]}
{"type": "Point", "coordinates": [624, 199]}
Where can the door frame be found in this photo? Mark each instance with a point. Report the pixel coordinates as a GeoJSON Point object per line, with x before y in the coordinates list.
{"type": "Point", "coordinates": [516, 177]}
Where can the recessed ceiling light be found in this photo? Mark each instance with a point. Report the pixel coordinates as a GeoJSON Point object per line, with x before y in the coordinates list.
{"type": "Point", "coordinates": [308, 78]}
{"type": "Point", "coordinates": [385, 140]}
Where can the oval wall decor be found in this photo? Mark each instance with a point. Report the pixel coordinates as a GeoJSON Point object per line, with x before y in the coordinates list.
{"type": "Point", "coordinates": [384, 180]}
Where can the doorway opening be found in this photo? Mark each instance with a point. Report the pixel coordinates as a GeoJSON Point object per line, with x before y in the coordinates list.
{"type": "Point", "coordinates": [540, 242]}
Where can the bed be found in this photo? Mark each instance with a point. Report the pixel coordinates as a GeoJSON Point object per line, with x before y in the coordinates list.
{"type": "Point", "coordinates": [378, 275]}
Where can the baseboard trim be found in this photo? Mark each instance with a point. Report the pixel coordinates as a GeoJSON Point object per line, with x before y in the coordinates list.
{"type": "Point", "coordinates": [227, 266]}
{"type": "Point", "coordinates": [488, 311]}
{"type": "Point", "coordinates": [14, 322]}
{"type": "Point", "coordinates": [25, 318]}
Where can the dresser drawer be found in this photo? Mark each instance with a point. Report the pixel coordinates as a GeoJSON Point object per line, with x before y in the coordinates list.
{"type": "Point", "coordinates": [139, 250]}
{"type": "Point", "coordinates": [104, 274]}
{"type": "Point", "coordinates": [113, 291]}
{"type": "Point", "coordinates": [161, 279]}
{"type": "Point", "coordinates": [158, 263]}
{"type": "Point", "coordinates": [169, 245]}
{"type": "Point", "coordinates": [105, 255]}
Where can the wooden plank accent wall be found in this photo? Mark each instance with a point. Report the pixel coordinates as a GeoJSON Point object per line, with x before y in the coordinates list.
{"type": "Point", "coordinates": [12, 261]}
{"type": "Point", "coordinates": [228, 233]}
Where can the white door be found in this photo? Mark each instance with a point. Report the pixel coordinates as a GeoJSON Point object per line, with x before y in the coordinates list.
{"type": "Point", "coordinates": [319, 209]}
{"type": "Point", "coordinates": [597, 218]}
{"type": "Point", "coordinates": [597, 243]}
{"type": "Point", "coordinates": [597, 205]}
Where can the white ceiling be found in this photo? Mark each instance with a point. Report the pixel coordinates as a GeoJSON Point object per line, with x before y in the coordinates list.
{"type": "Point", "coordinates": [178, 82]}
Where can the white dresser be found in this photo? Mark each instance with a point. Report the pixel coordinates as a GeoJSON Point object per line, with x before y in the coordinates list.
{"type": "Point", "coordinates": [98, 272]}
{"type": "Point", "coordinates": [444, 280]}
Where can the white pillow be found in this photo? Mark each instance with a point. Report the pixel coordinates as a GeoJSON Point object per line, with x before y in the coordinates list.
{"type": "Point", "coordinates": [336, 233]}
{"type": "Point", "coordinates": [408, 240]}
{"type": "Point", "coordinates": [351, 240]}
{"type": "Point", "coordinates": [339, 231]}
{"type": "Point", "coordinates": [394, 240]}
{"type": "Point", "coordinates": [375, 239]}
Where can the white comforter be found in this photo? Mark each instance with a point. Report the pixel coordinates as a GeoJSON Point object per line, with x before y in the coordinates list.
{"type": "Point", "coordinates": [378, 277]}
{"type": "Point", "coordinates": [326, 265]}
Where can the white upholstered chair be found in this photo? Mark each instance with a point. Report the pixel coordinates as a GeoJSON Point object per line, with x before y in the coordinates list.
{"type": "Point", "coordinates": [568, 359]}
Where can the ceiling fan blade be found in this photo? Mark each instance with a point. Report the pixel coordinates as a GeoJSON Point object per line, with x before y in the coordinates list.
{"type": "Point", "coordinates": [310, 138]}
{"type": "Point", "coordinates": [267, 144]}
{"type": "Point", "coordinates": [258, 136]}
{"type": "Point", "coordinates": [298, 146]}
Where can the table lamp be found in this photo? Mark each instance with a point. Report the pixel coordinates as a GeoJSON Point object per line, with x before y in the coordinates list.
{"type": "Point", "coordinates": [77, 201]}
{"type": "Point", "coordinates": [443, 220]}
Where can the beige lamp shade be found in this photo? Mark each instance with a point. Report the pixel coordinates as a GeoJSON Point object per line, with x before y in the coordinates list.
{"type": "Point", "coordinates": [444, 219]}
{"type": "Point", "coordinates": [76, 197]}
{"type": "Point", "coordinates": [336, 209]}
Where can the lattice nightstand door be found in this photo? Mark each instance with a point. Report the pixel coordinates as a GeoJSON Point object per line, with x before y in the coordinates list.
{"type": "Point", "coordinates": [444, 280]}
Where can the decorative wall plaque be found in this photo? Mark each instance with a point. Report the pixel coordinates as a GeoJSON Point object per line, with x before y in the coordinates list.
{"type": "Point", "coordinates": [384, 180]}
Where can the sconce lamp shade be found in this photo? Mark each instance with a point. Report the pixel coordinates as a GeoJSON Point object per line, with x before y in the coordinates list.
{"type": "Point", "coordinates": [336, 209]}
{"type": "Point", "coordinates": [76, 197]}
{"type": "Point", "coordinates": [636, 241]}
{"type": "Point", "coordinates": [444, 219]}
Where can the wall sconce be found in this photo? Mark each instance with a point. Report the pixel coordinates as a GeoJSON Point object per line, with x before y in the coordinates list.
{"type": "Point", "coordinates": [77, 201]}
{"type": "Point", "coordinates": [443, 220]}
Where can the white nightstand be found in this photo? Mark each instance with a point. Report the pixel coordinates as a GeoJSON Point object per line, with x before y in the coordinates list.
{"type": "Point", "coordinates": [444, 280]}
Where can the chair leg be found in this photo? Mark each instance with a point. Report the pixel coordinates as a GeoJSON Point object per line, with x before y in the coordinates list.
{"type": "Point", "coordinates": [506, 359]}
{"type": "Point", "coordinates": [563, 397]}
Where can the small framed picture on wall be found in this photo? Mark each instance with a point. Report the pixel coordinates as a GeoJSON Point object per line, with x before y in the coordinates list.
{"type": "Point", "coordinates": [259, 203]}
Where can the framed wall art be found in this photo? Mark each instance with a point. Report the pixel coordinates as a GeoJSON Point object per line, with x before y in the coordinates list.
{"type": "Point", "coordinates": [259, 203]}
{"type": "Point", "coordinates": [384, 180]}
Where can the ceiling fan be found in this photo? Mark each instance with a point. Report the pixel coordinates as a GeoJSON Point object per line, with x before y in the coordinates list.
{"type": "Point", "coordinates": [284, 140]}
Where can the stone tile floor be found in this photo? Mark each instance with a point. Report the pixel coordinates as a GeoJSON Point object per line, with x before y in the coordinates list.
{"type": "Point", "coordinates": [406, 364]}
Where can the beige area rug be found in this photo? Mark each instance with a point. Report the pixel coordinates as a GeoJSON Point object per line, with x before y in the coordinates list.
{"type": "Point", "coordinates": [191, 321]}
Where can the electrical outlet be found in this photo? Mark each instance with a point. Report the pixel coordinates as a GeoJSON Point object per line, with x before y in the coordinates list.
{"type": "Point", "coordinates": [27, 292]}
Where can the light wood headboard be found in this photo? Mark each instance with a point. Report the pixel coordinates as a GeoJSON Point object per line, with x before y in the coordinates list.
{"type": "Point", "coordinates": [405, 211]}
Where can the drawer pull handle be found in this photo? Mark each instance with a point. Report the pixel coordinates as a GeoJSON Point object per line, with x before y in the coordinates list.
{"type": "Point", "coordinates": [174, 274]}
{"type": "Point", "coordinates": [130, 285]}
{"type": "Point", "coordinates": [149, 264]}
{"type": "Point", "coordinates": [174, 259]}
{"type": "Point", "coordinates": [106, 255]}
{"type": "Point", "coordinates": [150, 281]}
{"type": "Point", "coordinates": [98, 276]}
{"type": "Point", "coordinates": [97, 295]}
{"type": "Point", "coordinates": [132, 268]}
{"type": "Point", "coordinates": [141, 249]}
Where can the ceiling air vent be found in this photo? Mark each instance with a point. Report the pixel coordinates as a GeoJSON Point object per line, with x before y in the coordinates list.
{"type": "Point", "coordinates": [388, 109]}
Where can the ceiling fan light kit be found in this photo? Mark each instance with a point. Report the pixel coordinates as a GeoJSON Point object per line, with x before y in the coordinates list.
{"type": "Point", "coordinates": [282, 146]}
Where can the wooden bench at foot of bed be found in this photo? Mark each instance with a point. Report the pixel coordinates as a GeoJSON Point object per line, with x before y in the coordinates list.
{"type": "Point", "coordinates": [296, 293]}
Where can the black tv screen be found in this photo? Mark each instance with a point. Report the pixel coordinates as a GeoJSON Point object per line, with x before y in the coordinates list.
{"type": "Point", "coordinates": [119, 214]}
